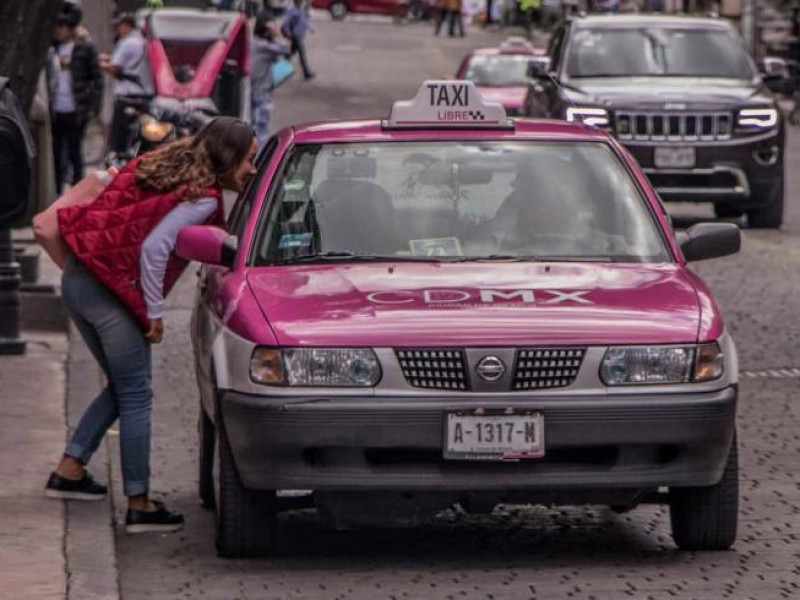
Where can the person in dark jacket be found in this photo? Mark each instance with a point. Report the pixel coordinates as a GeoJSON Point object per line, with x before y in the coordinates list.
{"type": "Point", "coordinates": [76, 95]}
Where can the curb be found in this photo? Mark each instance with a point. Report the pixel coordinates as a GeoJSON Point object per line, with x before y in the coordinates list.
{"type": "Point", "coordinates": [90, 543]}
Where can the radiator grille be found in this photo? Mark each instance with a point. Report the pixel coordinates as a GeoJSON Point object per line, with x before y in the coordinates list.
{"type": "Point", "coordinates": [673, 126]}
{"type": "Point", "coordinates": [541, 368]}
{"type": "Point", "coordinates": [434, 368]}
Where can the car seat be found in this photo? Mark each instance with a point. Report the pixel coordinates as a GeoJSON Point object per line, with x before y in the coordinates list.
{"type": "Point", "coordinates": [354, 216]}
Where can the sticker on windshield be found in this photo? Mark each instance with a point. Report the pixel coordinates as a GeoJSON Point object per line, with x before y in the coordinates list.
{"type": "Point", "coordinates": [295, 240]}
{"type": "Point", "coordinates": [447, 246]}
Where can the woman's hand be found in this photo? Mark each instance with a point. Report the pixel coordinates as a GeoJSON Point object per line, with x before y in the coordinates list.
{"type": "Point", "coordinates": [156, 332]}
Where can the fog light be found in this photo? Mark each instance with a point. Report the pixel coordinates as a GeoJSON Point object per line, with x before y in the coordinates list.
{"type": "Point", "coordinates": [766, 157]}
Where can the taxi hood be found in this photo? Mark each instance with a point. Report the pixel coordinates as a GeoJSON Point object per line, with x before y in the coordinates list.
{"type": "Point", "coordinates": [476, 304]}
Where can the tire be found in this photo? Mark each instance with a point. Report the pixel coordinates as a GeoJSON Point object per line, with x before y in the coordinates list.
{"type": "Point", "coordinates": [705, 518]}
{"type": "Point", "coordinates": [205, 434]}
{"type": "Point", "coordinates": [246, 519]}
{"type": "Point", "coordinates": [338, 10]}
{"type": "Point", "coordinates": [726, 211]}
{"type": "Point", "coordinates": [770, 214]}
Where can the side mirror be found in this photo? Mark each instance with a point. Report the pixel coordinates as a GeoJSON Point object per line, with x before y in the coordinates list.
{"type": "Point", "coordinates": [709, 240]}
{"type": "Point", "coordinates": [207, 244]}
{"type": "Point", "coordinates": [539, 68]}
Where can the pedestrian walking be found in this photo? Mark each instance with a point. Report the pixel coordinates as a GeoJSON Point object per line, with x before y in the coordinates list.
{"type": "Point", "coordinates": [76, 95]}
{"type": "Point", "coordinates": [451, 11]}
{"type": "Point", "coordinates": [296, 24]}
{"type": "Point", "coordinates": [114, 286]}
{"type": "Point", "coordinates": [267, 48]}
{"type": "Point", "coordinates": [129, 65]}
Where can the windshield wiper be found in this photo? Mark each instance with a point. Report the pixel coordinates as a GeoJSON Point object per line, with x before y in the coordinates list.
{"type": "Point", "coordinates": [338, 256]}
{"type": "Point", "coordinates": [495, 257]}
{"type": "Point", "coordinates": [328, 256]}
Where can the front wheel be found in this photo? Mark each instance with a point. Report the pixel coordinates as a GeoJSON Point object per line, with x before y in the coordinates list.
{"type": "Point", "coordinates": [246, 519]}
{"type": "Point", "coordinates": [769, 215]}
{"type": "Point", "coordinates": [205, 434]}
{"type": "Point", "coordinates": [338, 10]}
{"type": "Point", "coordinates": [705, 518]}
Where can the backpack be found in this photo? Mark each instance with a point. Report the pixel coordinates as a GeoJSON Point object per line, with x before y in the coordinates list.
{"type": "Point", "coordinates": [15, 167]}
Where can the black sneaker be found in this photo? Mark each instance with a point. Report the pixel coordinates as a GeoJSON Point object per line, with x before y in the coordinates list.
{"type": "Point", "coordinates": [85, 488]}
{"type": "Point", "coordinates": [161, 519]}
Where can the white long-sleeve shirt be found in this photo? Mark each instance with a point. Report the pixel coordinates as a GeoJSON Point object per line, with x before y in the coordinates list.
{"type": "Point", "coordinates": [160, 243]}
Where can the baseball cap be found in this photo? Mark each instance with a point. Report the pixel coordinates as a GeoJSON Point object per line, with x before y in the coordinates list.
{"type": "Point", "coordinates": [124, 17]}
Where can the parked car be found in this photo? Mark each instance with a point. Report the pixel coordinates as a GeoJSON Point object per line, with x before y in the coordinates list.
{"type": "Point", "coordinates": [501, 73]}
{"type": "Point", "coordinates": [412, 9]}
{"type": "Point", "coordinates": [684, 97]}
{"type": "Point", "coordinates": [453, 307]}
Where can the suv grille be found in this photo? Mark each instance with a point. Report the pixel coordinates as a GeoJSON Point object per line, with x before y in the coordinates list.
{"type": "Point", "coordinates": [437, 368]}
{"type": "Point", "coordinates": [674, 126]}
{"type": "Point", "coordinates": [539, 368]}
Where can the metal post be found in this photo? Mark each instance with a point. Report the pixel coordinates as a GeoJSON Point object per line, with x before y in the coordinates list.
{"type": "Point", "coordinates": [10, 342]}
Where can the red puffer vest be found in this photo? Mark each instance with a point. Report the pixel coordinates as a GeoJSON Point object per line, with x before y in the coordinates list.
{"type": "Point", "coordinates": [107, 235]}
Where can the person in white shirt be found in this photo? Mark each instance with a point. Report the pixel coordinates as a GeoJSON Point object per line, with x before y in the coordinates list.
{"type": "Point", "coordinates": [129, 65]}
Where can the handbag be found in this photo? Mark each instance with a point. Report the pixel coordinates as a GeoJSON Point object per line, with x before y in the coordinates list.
{"type": "Point", "coordinates": [281, 70]}
{"type": "Point", "coordinates": [45, 223]}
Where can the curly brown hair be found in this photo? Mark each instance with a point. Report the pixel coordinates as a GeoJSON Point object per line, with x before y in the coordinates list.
{"type": "Point", "coordinates": [208, 159]}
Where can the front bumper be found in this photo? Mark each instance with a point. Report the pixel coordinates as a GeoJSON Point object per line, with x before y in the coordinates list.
{"type": "Point", "coordinates": [396, 444]}
{"type": "Point", "coordinates": [740, 171]}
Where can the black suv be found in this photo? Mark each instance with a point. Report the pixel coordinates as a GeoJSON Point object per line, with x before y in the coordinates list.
{"type": "Point", "coordinates": [683, 95]}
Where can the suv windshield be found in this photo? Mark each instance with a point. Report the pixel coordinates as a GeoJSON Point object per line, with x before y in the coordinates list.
{"type": "Point", "coordinates": [456, 200]}
{"type": "Point", "coordinates": [657, 51]}
{"type": "Point", "coordinates": [499, 70]}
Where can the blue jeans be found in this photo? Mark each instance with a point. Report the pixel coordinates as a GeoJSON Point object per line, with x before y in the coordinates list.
{"type": "Point", "coordinates": [262, 110]}
{"type": "Point", "coordinates": [118, 344]}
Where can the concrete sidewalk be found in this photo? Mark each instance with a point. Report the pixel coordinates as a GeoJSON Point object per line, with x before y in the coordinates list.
{"type": "Point", "coordinates": [49, 548]}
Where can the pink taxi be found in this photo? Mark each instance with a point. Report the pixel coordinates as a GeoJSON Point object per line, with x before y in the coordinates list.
{"type": "Point", "coordinates": [501, 74]}
{"type": "Point", "coordinates": [451, 307]}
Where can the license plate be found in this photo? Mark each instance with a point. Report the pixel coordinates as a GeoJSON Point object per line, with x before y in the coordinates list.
{"type": "Point", "coordinates": [493, 434]}
{"type": "Point", "coordinates": [675, 158]}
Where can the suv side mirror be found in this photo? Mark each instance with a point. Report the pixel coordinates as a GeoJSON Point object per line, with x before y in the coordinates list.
{"type": "Point", "coordinates": [207, 244]}
{"type": "Point", "coordinates": [709, 240]}
{"type": "Point", "coordinates": [539, 68]}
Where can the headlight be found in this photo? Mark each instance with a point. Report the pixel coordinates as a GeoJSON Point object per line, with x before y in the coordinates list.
{"type": "Point", "coordinates": [593, 117]}
{"type": "Point", "coordinates": [651, 365]}
{"type": "Point", "coordinates": [153, 130]}
{"type": "Point", "coordinates": [317, 367]}
{"type": "Point", "coordinates": [761, 118]}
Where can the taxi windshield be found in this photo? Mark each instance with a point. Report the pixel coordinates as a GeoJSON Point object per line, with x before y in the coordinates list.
{"type": "Point", "coordinates": [457, 200]}
{"type": "Point", "coordinates": [498, 70]}
{"type": "Point", "coordinates": [656, 51]}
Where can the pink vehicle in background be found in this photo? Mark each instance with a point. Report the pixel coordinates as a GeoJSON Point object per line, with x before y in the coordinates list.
{"type": "Point", "coordinates": [501, 74]}
{"type": "Point", "coordinates": [201, 69]}
{"type": "Point", "coordinates": [453, 307]}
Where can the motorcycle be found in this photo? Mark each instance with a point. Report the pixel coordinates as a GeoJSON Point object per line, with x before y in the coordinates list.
{"type": "Point", "coordinates": [200, 62]}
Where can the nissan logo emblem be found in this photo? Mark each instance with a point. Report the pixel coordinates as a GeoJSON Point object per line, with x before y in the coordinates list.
{"type": "Point", "coordinates": [490, 368]}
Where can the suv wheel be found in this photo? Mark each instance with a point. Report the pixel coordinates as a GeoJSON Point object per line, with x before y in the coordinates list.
{"type": "Point", "coordinates": [338, 10]}
{"type": "Point", "coordinates": [205, 433]}
{"type": "Point", "coordinates": [770, 214]}
{"type": "Point", "coordinates": [705, 518]}
{"type": "Point", "coordinates": [246, 519]}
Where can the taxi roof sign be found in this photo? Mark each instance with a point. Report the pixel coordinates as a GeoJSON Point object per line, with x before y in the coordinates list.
{"type": "Point", "coordinates": [447, 104]}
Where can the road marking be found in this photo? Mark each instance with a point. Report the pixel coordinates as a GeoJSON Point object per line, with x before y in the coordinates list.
{"type": "Point", "coordinates": [779, 373]}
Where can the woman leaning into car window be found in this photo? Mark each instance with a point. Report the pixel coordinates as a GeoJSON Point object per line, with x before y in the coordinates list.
{"type": "Point", "coordinates": [122, 265]}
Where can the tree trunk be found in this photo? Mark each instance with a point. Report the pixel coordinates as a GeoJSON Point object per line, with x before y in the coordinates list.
{"type": "Point", "coordinates": [26, 29]}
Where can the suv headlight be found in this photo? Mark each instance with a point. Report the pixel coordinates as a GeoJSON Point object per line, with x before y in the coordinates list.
{"type": "Point", "coordinates": [757, 118]}
{"type": "Point", "coordinates": [593, 117]}
{"type": "Point", "coordinates": [653, 365]}
{"type": "Point", "coordinates": [317, 367]}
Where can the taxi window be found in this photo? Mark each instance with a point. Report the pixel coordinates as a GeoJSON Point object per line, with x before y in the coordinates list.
{"type": "Point", "coordinates": [498, 70]}
{"type": "Point", "coordinates": [458, 200]}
